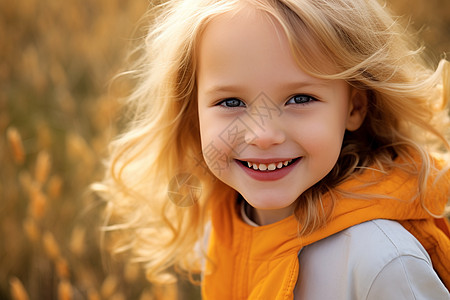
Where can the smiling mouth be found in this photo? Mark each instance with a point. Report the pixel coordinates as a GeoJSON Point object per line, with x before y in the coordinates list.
{"type": "Point", "coordinates": [268, 167]}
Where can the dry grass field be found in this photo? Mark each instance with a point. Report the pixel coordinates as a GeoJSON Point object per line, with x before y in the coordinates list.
{"type": "Point", "coordinates": [57, 114]}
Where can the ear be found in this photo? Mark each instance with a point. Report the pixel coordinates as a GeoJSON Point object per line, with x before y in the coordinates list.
{"type": "Point", "coordinates": [357, 109]}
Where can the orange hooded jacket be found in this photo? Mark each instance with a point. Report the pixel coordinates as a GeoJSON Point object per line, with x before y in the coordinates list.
{"type": "Point", "coordinates": [261, 262]}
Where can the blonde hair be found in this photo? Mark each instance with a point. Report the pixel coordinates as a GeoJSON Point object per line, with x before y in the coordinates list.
{"type": "Point", "coordinates": [407, 112]}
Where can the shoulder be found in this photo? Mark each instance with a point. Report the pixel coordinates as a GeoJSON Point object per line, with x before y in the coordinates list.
{"type": "Point", "coordinates": [380, 241]}
{"type": "Point", "coordinates": [378, 259]}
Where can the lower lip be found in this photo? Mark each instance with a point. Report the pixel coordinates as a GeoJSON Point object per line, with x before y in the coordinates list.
{"type": "Point", "coordinates": [269, 175]}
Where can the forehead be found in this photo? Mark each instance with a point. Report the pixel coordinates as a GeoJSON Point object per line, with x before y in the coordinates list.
{"type": "Point", "coordinates": [236, 29]}
{"type": "Point", "coordinates": [247, 45]}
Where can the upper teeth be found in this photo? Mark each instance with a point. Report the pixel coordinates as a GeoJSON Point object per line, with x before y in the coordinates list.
{"type": "Point", "coordinates": [270, 167]}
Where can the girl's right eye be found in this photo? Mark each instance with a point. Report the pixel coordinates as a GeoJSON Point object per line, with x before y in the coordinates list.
{"type": "Point", "coordinates": [231, 102]}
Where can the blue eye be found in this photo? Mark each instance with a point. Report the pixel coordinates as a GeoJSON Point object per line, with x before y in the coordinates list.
{"type": "Point", "coordinates": [301, 99]}
{"type": "Point", "coordinates": [231, 102]}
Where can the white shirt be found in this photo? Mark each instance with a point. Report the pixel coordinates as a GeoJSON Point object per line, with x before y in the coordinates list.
{"type": "Point", "coordinates": [378, 260]}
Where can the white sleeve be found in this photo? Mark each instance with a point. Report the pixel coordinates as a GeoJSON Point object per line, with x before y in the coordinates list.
{"type": "Point", "coordinates": [408, 277]}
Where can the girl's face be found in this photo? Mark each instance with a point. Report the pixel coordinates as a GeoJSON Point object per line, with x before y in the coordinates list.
{"type": "Point", "coordinates": [269, 130]}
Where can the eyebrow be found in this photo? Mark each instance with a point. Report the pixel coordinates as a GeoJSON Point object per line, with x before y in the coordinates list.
{"type": "Point", "coordinates": [231, 88]}
{"type": "Point", "coordinates": [223, 89]}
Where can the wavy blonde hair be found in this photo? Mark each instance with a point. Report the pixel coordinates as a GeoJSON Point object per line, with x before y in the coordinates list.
{"type": "Point", "coordinates": [407, 109]}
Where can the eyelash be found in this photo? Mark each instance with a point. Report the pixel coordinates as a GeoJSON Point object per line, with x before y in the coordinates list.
{"type": "Point", "coordinates": [301, 98]}
{"type": "Point", "coordinates": [226, 102]}
{"type": "Point", "coordinates": [305, 99]}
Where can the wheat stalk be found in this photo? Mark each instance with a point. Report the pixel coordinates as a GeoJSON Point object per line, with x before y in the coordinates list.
{"type": "Point", "coordinates": [65, 290]}
{"type": "Point", "coordinates": [51, 246]}
{"type": "Point", "coordinates": [16, 145]}
{"type": "Point", "coordinates": [18, 291]}
{"type": "Point", "coordinates": [38, 201]}
{"type": "Point", "coordinates": [54, 186]}
{"type": "Point", "coordinates": [109, 286]}
{"type": "Point", "coordinates": [42, 168]}
{"type": "Point", "coordinates": [31, 229]}
{"type": "Point", "coordinates": [77, 240]}
{"type": "Point", "coordinates": [93, 294]}
{"type": "Point", "coordinates": [62, 268]}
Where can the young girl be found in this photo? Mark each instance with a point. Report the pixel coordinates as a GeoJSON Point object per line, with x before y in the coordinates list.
{"type": "Point", "coordinates": [290, 145]}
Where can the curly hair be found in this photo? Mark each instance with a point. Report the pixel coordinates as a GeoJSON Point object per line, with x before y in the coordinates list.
{"type": "Point", "coordinates": [407, 112]}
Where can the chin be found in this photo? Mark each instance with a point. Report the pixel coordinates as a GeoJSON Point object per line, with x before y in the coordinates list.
{"type": "Point", "coordinates": [269, 201]}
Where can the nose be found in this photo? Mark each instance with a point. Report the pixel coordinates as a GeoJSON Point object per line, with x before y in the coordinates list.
{"type": "Point", "coordinates": [267, 135]}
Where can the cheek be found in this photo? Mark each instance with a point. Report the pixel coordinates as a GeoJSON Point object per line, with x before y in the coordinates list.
{"type": "Point", "coordinates": [226, 133]}
{"type": "Point", "coordinates": [210, 131]}
{"type": "Point", "coordinates": [206, 130]}
{"type": "Point", "coordinates": [215, 152]}
{"type": "Point", "coordinates": [323, 140]}
{"type": "Point", "coordinates": [322, 147]}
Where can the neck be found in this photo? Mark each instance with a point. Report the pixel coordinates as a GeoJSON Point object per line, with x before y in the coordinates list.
{"type": "Point", "coordinates": [268, 216]}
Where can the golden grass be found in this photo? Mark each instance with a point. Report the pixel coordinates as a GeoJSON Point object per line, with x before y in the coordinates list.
{"type": "Point", "coordinates": [17, 289]}
{"type": "Point", "coordinates": [16, 145]}
{"type": "Point", "coordinates": [56, 117]}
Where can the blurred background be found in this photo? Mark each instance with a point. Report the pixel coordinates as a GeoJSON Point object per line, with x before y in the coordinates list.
{"type": "Point", "coordinates": [57, 114]}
